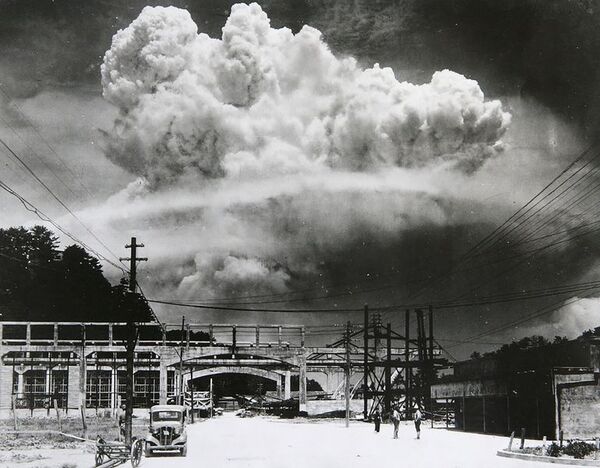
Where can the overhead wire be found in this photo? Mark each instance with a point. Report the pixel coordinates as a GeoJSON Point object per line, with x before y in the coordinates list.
{"type": "Point", "coordinates": [44, 217]}
{"type": "Point", "coordinates": [31, 125]}
{"type": "Point", "coordinates": [49, 190]}
{"type": "Point", "coordinates": [522, 215]}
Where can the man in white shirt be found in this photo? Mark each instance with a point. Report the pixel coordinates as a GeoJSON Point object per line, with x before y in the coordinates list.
{"type": "Point", "coordinates": [418, 417]}
{"type": "Point", "coordinates": [396, 421]}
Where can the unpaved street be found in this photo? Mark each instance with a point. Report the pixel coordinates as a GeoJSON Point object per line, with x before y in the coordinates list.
{"type": "Point", "coordinates": [256, 442]}
{"type": "Point", "coordinates": [231, 442]}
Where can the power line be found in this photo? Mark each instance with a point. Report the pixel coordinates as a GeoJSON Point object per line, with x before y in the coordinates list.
{"type": "Point", "coordinates": [491, 237]}
{"type": "Point", "coordinates": [41, 182]}
{"type": "Point", "coordinates": [494, 299]}
{"type": "Point", "coordinates": [243, 309]}
{"type": "Point", "coordinates": [522, 215]}
{"type": "Point", "coordinates": [44, 217]}
{"type": "Point", "coordinates": [538, 313]}
{"type": "Point", "coordinates": [24, 117]}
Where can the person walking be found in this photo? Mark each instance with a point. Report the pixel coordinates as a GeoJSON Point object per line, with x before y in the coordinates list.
{"type": "Point", "coordinates": [396, 421]}
{"type": "Point", "coordinates": [377, 420]}
{"type": "Point", "coordinates": [418, 417]}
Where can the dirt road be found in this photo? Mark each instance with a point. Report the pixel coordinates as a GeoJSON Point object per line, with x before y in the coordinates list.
{"type": "Point", "coordinates": [259, 442]}
{"type": "Point", "coordinates": [256, 442]}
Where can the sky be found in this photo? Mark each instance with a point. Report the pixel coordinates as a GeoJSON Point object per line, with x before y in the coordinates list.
{"type": "Point", "coordinates": [312, 154]}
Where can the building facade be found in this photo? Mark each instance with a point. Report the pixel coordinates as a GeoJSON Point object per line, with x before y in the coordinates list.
{"type": "Point", "coordinates": [543, 390]}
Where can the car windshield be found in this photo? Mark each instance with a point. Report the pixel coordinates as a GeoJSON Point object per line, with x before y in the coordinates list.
{"type": "Point", "coordinates": [166, 416]}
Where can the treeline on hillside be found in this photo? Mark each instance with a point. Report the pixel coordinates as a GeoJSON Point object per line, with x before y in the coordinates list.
{"type": "Point", "coordinates": [516, 348]}
{"type": "Point", "coordinates": [40, 283]}
{"type": "Point", "coordinates": [524, 344]}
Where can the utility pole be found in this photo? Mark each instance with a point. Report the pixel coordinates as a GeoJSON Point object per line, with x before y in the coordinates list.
{"type": "Point", "coordinates": [211, 397]}
{"type": "Point", "coordinates": [132, 336]}
{"type": "Point", "coordinates": [181, 392]}
{"type": "Point", "coordinates": [347, 375]}
{"type": "Point", "coordinates": [365, 363]}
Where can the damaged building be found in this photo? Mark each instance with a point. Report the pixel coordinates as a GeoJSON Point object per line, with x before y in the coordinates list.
{"type": "Point", "coordinates": [546, 390]}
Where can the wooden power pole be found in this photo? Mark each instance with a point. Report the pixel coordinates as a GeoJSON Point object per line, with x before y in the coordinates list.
{"type": "Point", "coordinates": [132, 336]}
{"type": "Point", "coordinates": [347, 375]}
{"type": "Point", "coordinates": [181, 399]}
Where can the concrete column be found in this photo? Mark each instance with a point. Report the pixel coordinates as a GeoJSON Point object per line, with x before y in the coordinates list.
{"type": "Point", "coordinates": [302, 384]}
{"type": "Point", "coordinates": [110, 334]}
{"type": "Point", "coordinates": [73, 394]}
{"type": "Point", "coordinates": [55, 335]}
{"type": "Point", "coordinates": [162, 381]}
{"type": "Point", "coordinates": [48, 381]}
{"type": "Point", "coordinates": [279, 385]}
{"type": "Point", "coordinates": [28, 334]}
{"type": "Point", "coordinates": [287, 387]}
{"type": "Point", "coordinates": [6, 379]}
{"type": "Point", "coordinates": [82, 377]}
{"type": "Point", "coordinates": [113, 388]}
{"type": "Point", "coordinates": [20, 381]}
{"type": "Point", "coordinates": [257, 337]}
{"type": "Point", "coordinates": [6, 383]}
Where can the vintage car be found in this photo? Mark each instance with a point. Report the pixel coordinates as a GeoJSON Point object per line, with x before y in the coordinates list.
{"type": "Point", "coordinates": [167, 432]}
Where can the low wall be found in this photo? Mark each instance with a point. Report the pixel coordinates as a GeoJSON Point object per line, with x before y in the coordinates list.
{"type": "Point", "coordinates": [319, 407]}
{"type": "Point", "coordinates": [469, 388]}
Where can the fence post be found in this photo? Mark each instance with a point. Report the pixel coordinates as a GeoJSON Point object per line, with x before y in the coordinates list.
{"type": "Point", "coordinates": [14, 408]}
{"type": "Point", "coordinates": [522, 438]}
{"type": "Point", "coordinates": [560, 437]}
{"type": "Point", "coordinates": [510, 442]}
{"type": "Point", "coordinates": [57, 414]}
{"type": "Point", "coordinates": [83, 421]}
{"type": "Point", "coordinates": [544, 445]}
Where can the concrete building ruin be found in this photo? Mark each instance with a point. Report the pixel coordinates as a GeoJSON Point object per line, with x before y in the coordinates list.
{"type": "Point", "coordinates": [545, 390]}
{"type": "Point", "coordinates": [82, 365]}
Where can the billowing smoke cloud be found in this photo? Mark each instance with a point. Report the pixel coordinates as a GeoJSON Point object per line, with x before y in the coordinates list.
{"type": "Point", "coordinates": [570, 320]}
{"type": "Point", "coordinates": [271, 156]}
{"type": "Point", "coordinates": [265, 100]}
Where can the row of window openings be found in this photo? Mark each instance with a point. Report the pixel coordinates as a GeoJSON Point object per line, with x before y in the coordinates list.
{"type": "Point", "coordinates": [35, 393]}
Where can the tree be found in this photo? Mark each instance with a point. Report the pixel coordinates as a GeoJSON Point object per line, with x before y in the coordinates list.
{"type": "Point", "coordinates": [82, 293]}
{"type": "Point", "coordinates": [125, 305]}
{"type": "Point", "coordinates": [26, 268]}
{"type": "Point", "coordinates": [38, 283]}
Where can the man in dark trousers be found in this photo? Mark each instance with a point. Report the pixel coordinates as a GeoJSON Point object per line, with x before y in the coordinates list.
{"type": "Point", "coordinates": [377, 420]}
{"type": "Point", "coordinates": [418, 417]}
{"type": "Point", "coordinates": [395, 420]}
